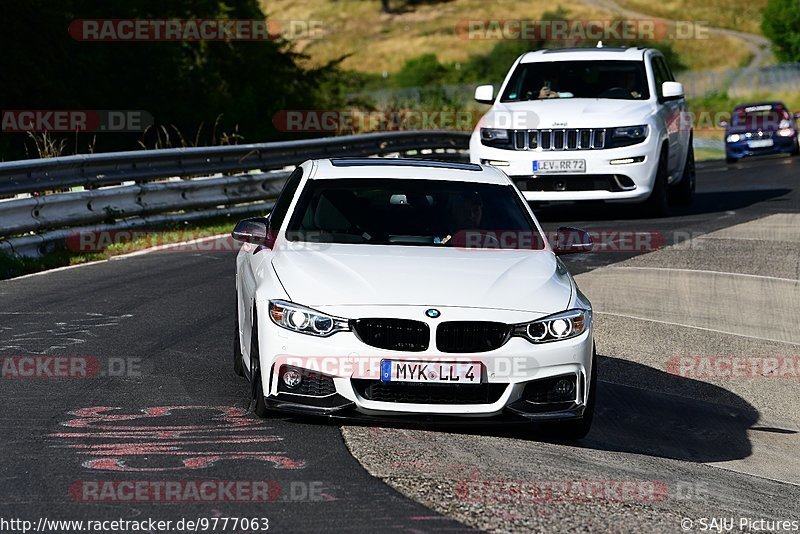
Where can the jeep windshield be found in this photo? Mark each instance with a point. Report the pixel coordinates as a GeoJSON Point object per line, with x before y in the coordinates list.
{"type": "Point", "coordinates": [413, 212]}
{"type": "Point", "coordinates": [621, 80]}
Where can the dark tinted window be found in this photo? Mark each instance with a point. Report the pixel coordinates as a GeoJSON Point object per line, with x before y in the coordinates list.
{"type": "Point", "coordinates": [412, 212]}
{"type": "Point", "coordinates": [624, 80]}
{"type": "Point", "coordinates": [661, 74]}
{"type": "Point", "coordinates": [278, 213]}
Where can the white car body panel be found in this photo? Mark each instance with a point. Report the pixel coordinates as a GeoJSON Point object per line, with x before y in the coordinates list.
{"type": "Point", "coordinates": [376, 274]}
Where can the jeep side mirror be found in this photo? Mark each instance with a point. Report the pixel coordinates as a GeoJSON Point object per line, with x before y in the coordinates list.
{"type": "Point", "coordinates": [672, 91]}
{"type": "Point", "coordinates": [484, 94]}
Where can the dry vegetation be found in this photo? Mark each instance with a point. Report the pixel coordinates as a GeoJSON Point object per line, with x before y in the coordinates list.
{"type": "Point", "coordinates": [744, 16]}
{"type": "Point", "coordinates": [378, 42]}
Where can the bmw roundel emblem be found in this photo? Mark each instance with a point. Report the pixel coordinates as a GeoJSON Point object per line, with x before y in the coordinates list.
{"type": "Point", "coordinates": [433, 313]}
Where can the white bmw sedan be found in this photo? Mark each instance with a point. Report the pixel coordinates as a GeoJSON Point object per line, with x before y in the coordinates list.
{"type": "Point", "coordinates": [412, 289]}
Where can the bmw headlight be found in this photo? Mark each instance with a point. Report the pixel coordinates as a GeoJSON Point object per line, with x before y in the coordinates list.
{"type": "Point", "coordinates": [733, 138]}
{"type": "Point", "coordinates": [563, 325]}
{"type": "Point", "coordinates": [495, 137]}
{"type": "Point", "coordinates": [304, 320]}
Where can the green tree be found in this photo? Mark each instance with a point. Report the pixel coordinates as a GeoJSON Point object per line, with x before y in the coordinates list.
{"type": "Point", "coordinates": [781, 24]}
{"type": "Point", "coordinates": [235, 85]}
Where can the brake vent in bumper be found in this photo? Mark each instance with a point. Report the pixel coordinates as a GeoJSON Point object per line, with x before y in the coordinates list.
{"type": "Point", "coordinates": [378, 391]}
{"type": "Point", "coordinates": [313, 384]}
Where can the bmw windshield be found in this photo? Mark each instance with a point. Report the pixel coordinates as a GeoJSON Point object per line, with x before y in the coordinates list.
{"type": "Point", "coordinates": [413, 212]}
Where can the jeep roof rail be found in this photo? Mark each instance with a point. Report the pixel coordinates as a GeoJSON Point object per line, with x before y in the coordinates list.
{"type": "Point", "coordinates": [586, 49]}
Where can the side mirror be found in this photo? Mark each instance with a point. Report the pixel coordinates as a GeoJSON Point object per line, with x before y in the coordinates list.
{"type": "Point", "coordinates": [672, 91]}
{"type": "Point", "coordinates": [254, 231]}
{"type": "Point", "coordinates": [572, 241]}
{"type": "Point", "coordinates": [484, 94]}
{"type": "Point", "coordinates": [723, 124]}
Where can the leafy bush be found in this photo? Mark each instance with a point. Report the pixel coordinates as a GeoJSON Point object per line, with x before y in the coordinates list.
{"type": "Point", "coordinates": [780, 22]}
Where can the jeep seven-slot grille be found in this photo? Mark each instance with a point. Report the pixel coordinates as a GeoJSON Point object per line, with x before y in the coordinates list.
{"type": "Point", "coordinates": [471, 336]}
{"type": "Point", "coordinates": [393, 334]}
{"type": "Point", "coordinates": [560, 139]}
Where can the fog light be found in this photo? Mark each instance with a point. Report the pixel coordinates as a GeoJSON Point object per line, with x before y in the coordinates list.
{"type": "Point", "coordinates": [564, 388]}
{"type": "Point", "coordinates": [292, 378]}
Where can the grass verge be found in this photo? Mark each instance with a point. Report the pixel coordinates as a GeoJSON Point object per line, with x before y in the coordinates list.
{"type": "Point", "coordinates": [12, 266]}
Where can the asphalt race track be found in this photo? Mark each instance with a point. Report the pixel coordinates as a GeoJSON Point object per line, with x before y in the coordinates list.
{"type": "Point", "coordinates": [153, 399]}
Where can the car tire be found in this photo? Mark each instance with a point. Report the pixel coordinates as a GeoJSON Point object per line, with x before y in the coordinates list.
{"type": "Point", "coordinates": [731, 161]}
{"type": "Point", "coordinates": [577, 428]}
{"type": "Point", "coordinates": [256, 387]}
{"type": "Point", "coordinates": [657, 204]}
{"type": "Point", "coordinates": [683, 191]}
{"type": "Point", "coordinates": [238, 368]}
{"type": "Point", "coordinates": [796, 150]}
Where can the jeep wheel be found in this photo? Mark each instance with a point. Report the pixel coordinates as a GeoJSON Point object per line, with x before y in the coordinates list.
{"type": "Point", "coordinates": [683, 191]}
{"type": "Point", "coordinates": [657, 204]}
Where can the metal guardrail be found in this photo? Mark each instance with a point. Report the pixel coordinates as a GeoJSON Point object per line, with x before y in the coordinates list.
{"type": "Point", "coordinates": [99, 169]}
{"type": "Point", "coordinates": [141, 188]}
{"type": "Point", "coordinates": [742, 82]}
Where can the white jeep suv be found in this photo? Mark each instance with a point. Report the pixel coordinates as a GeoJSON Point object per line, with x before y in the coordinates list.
{"type": "Point", "coordinates": [590, 124]}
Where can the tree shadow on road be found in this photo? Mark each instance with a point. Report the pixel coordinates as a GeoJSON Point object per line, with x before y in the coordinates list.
{"type": "Point", "coordinates": [649, 411]}
{"type": "Point", "coordinates": [644, 411]}
{"type": "Point", "coordinates": [705, 203]}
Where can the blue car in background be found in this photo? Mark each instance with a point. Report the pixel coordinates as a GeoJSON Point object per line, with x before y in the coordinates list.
{"type": "Point", "coordinates": [760, 129]}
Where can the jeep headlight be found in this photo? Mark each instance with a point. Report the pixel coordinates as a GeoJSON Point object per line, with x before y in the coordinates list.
{"type": "Point", "coordinates": [557, 327]}
{"type": "Point", "coordinates": [495, 137]}
{"type": "Point", "coordinates": [304, 320]}
{"type": "Point", "coordinates": [733, 138]}
{"type": "Point", "coordinates": [628, 135]}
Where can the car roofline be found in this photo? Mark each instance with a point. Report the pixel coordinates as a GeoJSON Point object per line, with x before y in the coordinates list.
{"type": "Point", "coordinates": [404, 162]}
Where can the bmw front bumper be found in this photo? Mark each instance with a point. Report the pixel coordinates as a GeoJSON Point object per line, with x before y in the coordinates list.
{"type": "Point", "coordinates": [341, 373]}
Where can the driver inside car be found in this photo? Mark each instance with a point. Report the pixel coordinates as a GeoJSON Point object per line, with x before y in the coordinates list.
{"type": "Point", "coordinates": [465, 215]}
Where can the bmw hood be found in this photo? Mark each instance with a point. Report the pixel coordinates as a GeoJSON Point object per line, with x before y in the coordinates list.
{"type": "Point", "coordinates": [568, 113]}
{"type": "Point", "coordinates": [426, 276]}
